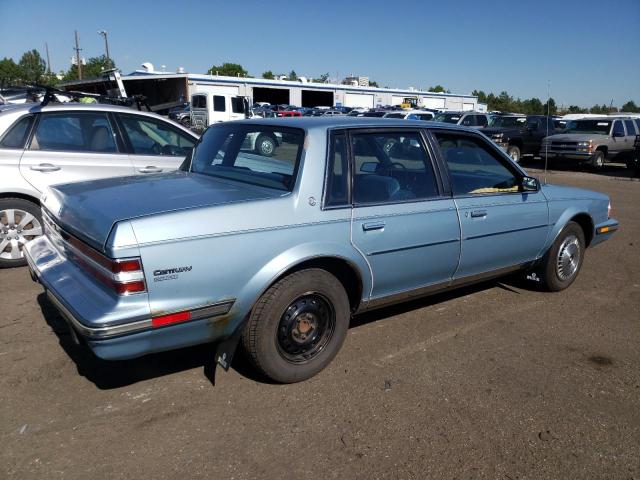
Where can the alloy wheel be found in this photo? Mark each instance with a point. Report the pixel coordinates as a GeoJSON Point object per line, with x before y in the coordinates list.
{"type": "Point", "coordinates": [17, 227]}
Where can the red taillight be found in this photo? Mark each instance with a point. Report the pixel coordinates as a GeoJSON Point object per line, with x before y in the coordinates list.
{"type": "Point", "coordinates": [126, 266]}
{"type": "Point", "coordinates": [125, 288]}
{"type": "Point", "coordinates": [169, 319]}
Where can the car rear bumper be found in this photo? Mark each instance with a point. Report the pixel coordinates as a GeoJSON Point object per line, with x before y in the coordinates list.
{"type": "Point", "coordinates": [115, 328]}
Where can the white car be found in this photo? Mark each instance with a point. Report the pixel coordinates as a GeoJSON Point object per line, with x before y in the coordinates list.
{"type": "Point", "coordinates": [410, 115]}
{"type": "Point", "coordinates": [62, 143]}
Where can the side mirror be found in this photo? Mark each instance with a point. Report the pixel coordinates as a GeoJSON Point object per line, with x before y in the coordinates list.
{"type": "Point", "coordinates": [369, 167]}
{"type": "Point", "coordinates": [618, 134]}
{"type": "Point", "coordinates": [530, 184]}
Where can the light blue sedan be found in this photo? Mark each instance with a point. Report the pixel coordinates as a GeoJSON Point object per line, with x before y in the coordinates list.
{"type": "Point", "coordinates": [279, 251]}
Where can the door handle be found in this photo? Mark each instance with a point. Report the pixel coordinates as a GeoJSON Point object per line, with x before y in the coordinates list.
{"type": "Point", "coordinates": [373, 226]}
{"type": "Point", "coordinates": [45, 167]}
{"type": "Point", "coordinates": [150, 169]}
{"type": "Point", "coordinates": [478, 213]}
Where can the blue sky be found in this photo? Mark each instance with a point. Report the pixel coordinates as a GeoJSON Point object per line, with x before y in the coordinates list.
{"type": "Point", "coordinates": [588, 50]}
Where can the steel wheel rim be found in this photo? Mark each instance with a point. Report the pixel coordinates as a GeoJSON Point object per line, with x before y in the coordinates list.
{"type": "Point", "coordinates": [568, 259]}
{"type": "Point", "coordinates": [514, 156]}
{"type": "Point", "coordinates": [305, 328]}
{"type": "Point", "coordinates": [17, 227]}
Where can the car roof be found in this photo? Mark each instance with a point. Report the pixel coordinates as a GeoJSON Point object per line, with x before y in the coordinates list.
{"type": "Point", "coordinates": [345, 121]}
{"type": "Point", "coordinates": [36, 107]}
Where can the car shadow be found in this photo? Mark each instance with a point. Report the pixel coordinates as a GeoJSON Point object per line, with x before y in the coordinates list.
{"type": "Point", "coordinates": [108, 375]}
{"type": "Point", "coordinates": [617, 170]}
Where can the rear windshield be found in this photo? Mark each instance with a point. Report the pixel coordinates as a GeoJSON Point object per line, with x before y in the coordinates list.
{"type": "Point", "coordinates": [448, 117]}
{"type": "Point", "coordinates": [589, 126]}
{"type": "Point", "coordinates": [255, 154]}
{"type": "Point", "coordinates": [508, 122]}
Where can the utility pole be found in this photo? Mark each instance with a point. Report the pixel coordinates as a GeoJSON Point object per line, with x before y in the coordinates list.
{"type": "Point", "coordinates": [46, 47]}
{"type": "Point", "coordinates": [78, 59]}
{"type": "Point", "coordinates": [106, 46]}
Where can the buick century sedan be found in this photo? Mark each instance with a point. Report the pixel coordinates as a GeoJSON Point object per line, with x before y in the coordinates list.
{"type": "Point", "coordinates": [277, 252]}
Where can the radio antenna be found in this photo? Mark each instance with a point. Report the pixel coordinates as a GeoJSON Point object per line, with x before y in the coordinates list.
{"type": "Point", "coordinates": [546, 144]}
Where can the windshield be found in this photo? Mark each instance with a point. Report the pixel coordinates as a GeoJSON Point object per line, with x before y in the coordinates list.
{"type": "Point", "coordinates": [588, 126]}
{"type": "Point", "coordinates": [448, 117]}
{"type": "Point", "coordinates": [508, 122]}
{"type": "Point", "coordinates": [254, 154]}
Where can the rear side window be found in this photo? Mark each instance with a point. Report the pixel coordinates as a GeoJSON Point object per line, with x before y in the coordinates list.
{"type": "Point", "coordinates": [469, 121]}
{"type": "Point", "coordinates": [337, 188]}
{"type": "Point", "coordinates": [218, 103]}
{"type": "Point", "coordinates": [390, 168]}
{"type": "Point", "coordinates": [617, 128]}
{"type": "Point", "coordinates": [74, 132]}
{"type": "Point", "coordinates": [630, 127]}
{"type": "Point", "coordinates": [17, 134]}
{"type": "Point", "coordinates": [474, 167]}
{"type": "Point", "coordinates": [481, 120]}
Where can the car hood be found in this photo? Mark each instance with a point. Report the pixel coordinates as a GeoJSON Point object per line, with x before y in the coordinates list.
{"type": "Point", "coordinates": [575, 137]}
{"type": "Point", "coordinates": [90, 209]}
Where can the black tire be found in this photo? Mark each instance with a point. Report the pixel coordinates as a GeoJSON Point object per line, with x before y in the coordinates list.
{"type": "Point", "coordinates": [514, 152]}
{"type": "Point", "coordinates": [265, 145]}
{"type": "Point", "coordinates": [551, 276]}
{"type": "Point", "coordinates": [597, 160]}
{"type": "Point", "coordinates": [271, 343]}
{"type": "Point", "coordinates": [13, 212]}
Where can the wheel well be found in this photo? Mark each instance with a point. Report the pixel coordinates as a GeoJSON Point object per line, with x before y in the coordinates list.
{"type": "Point", "coordinates": [603, 149]}
{"type": "Point", "coordinates": [516, 143]}
{"type": "Point", "coordinates": [586, 224]}
{"type": "Point", "coordinates": [23, 196]}
{"type": "Point", "coordinates": [346, 274]}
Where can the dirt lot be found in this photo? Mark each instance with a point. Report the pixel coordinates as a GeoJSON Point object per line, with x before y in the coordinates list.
{"type": "Point", "coordinates": [497, 381]}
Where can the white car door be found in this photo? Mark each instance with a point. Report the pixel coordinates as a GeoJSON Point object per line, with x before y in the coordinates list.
{"type": "Point", "coordinates": [156, 145]}
{"type": "Point", "coordinates": [71, 146]}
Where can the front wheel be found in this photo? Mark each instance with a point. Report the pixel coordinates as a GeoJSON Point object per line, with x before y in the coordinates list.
{"type": "Point", "coordinates": [20, 221]}
{"type": "Point", "coordinates": [297, 326]}
{"type": "Point", "coordinates": [597, 161]}
{"type": "Point", "coordinates": [562, 262]}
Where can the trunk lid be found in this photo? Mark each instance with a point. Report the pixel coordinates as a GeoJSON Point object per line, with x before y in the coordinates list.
{"type": "Point", "coordinates": [90, 209]}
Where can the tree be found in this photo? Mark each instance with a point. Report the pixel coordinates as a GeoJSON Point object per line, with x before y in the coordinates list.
{"type": "Point", "coordinates": [229, 70]}
{"type": "Point", "coordinates": [438, 89]}
{"type": "Point", "coordinates": [32, 66]}
{"type": "Point", "coordinates": [268, 75]}
{"type": "Point", "coordinates": [576, 109]}
{"type": "Point", "coordinates": [10, 73]}
{"type": "Point", "coordinates": [630, 107]}
{"type": "Point", "coordinates": [92, 69]}
{"type": "Point", "coordinates": [293, 75]}
{"type": "Point", "coordinates": [373, 83]}
{"type": "Point", "coordinates": [322, 79]}
{"type": "Point", "coordinates": [551, 108]}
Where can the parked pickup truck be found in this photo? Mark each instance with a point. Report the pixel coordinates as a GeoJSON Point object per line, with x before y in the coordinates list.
{"type": "Point", "coordinates": [279, 252]}
{"type": "Point", "coordinates": [593, 141]}
{"type": "Point", "coordinates": [520, 135]}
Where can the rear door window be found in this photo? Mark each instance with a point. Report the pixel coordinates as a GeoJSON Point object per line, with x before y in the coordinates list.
{"type": "Point", "coordinates": [391, 167]}
{"type": "Point", "coordinates": [74, 132]}
{"type": "Point", "coordinates": [481, 120]}
{"type": "Point", "coordinates": [618, 128]}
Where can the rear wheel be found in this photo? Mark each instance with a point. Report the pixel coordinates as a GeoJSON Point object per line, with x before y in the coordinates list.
{"type": "Point", "coordinates": [514, 152]}
{"type": "Point", "coordinates": [20, 221]}
{"type": "Point", "coordinates": [562, 262]}
{"type": "Point", "coordinates": [265, 145]}
{"type": "Point", "coordinates": [297, 326]}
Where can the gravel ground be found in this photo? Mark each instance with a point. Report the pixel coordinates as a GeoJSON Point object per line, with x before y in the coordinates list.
{"type": "Point", "coordinates": [496, 381]}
